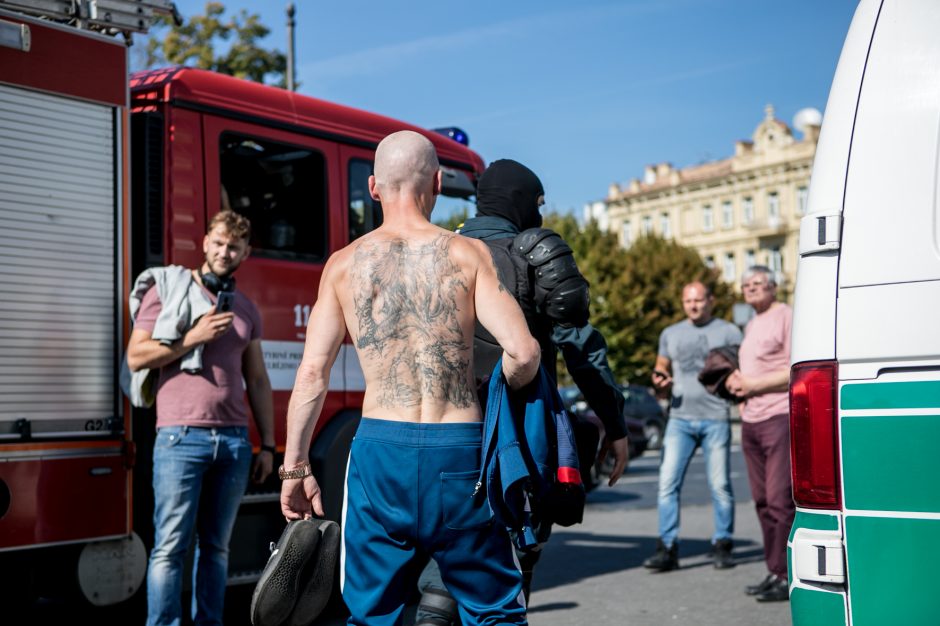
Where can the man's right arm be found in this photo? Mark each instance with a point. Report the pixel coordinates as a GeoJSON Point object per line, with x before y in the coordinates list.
{"type": "Point", "coordinates": [585, 352]}
{"type": "Point", "coordinates": [144, 352]}
{"type": "Point", "coordinates": [500, 314]}
{"type": "Point", "coordinates": [662, 376]}
{"type": "Point", "coordinates": [326, 329]}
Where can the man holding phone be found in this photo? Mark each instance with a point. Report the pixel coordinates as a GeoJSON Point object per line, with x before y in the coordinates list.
{"type": "Point", "coordinates": [224, 300]}
{"type": "Point", "coordinates": [696, 419]}
{"type": "Point", "coordinates": [202, 452]}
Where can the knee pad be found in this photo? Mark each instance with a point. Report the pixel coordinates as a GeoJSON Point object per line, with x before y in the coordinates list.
{"type": "Point", "coordinates": [439, 607]}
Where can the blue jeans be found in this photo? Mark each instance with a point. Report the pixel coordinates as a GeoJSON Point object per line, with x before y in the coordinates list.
{"type": "Point", "coordinates": [199, 477]}
{"type": "Point", "coordinates": [679, 443]}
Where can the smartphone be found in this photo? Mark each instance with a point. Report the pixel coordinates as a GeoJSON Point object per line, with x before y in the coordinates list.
{"type": "Point", "coordinates": [224, 302]}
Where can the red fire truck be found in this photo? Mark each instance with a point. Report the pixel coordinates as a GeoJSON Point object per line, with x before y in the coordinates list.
{"type": "Point", "coordinates": [101, 176]}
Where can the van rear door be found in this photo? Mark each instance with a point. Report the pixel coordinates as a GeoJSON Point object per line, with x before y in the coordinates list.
{"type": "Point", "coordinates": [888, 342]}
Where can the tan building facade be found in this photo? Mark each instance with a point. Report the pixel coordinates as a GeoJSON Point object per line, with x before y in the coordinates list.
{"type": "Point", "coordinates": [737, 212]}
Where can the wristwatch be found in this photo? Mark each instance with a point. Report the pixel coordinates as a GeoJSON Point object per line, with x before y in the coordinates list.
{"type": "Point", "coordinates": [301, 471]}
{"type": "Point", "coordinates": [270, 449]}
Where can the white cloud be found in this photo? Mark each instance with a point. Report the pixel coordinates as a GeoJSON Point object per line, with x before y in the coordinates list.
{"type": "Point", "coordinates": [384, 58]}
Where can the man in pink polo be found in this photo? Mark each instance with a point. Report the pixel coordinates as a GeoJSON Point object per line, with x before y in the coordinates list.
{"type": "Point", "coordinates": [763, 378]}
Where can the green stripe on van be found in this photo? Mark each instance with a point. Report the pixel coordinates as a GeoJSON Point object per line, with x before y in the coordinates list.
{"type": "Point", "coordinates": [892, 569]}
{"type": "Point", "coordinates": [891, 463]}
{"type": "Point", "coordinates": [813, 521]}
{"type": "Point", "coordinates": [816, 608]}
{"type": "Point", "coordinates": [910, 395]}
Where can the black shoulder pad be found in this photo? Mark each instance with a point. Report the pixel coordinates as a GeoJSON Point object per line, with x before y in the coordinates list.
{"type": "Point", "coordinates": [549, 275]}
{"type": "Point", "coordinates": [540, 245]}
{"type": "Point", "coordinates": [568, 304]}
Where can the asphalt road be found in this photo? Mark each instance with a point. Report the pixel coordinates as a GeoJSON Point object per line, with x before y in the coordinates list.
{"type": "Point", "coordinates": [592, 573]}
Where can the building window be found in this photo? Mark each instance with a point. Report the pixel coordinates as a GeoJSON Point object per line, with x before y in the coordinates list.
{"type": "Point", "coordinates": [802, 199]}
{"type": "Point", "coordinates": [665, 225]}
{"type": "Point", "coordinates": [775, 259]}
{"type": "Point", "coordinates": [773, 208]}
{"type": "Point", "coordinates": [647, 225]}
{"type": "Point", "coordinates": [708, 220]}
{"type": "Point", "coordinates": [727, 215]}
{"type": "Point", "coordinates": [626, 235]}
{"type": "Point", "coordinates": [748, 210]}
{"type": "Point", "coordinates": [750, 259]}
{"type": "Point", "coordinates": [710, 261]}
{"type": "Point", "coordinates": [728, 269]}
{"type": "Point", "coordinates": [281, 188]}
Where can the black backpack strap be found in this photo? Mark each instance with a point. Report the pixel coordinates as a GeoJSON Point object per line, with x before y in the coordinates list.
{"type": "Point", "coordinates": [511, 269]}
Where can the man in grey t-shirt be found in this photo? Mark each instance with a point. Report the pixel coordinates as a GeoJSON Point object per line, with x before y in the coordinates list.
{"type": "Point", "coordinates": [696, 418]}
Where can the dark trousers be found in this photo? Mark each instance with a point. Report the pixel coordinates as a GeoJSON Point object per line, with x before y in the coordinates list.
{"type": "Point", "coordinates": [767, 451]}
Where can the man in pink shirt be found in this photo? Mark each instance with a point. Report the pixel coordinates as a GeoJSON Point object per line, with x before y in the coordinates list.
{"type": "Point", "coordinates": [763, 378]}
{"type": "Point", "coordinates": [202, 453]}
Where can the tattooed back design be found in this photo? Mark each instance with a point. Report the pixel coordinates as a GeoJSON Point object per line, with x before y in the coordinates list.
{"type": "Point", "coordinates": [405, 295]}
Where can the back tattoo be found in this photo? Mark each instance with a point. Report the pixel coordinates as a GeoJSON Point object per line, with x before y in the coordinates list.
{"type": "Point", "coordinates": [405, 296]}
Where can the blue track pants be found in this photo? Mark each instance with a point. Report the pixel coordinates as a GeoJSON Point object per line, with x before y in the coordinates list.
{"type": "Point", "coordinates": [409, 496]}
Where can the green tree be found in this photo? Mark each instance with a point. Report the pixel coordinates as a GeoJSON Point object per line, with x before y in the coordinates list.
{"type": "Point", "coordinates": [636, 293]}
{"type": "Point", "coordinates": [197, 43]}
{"type": "Point", "coordinates": [455, 220]}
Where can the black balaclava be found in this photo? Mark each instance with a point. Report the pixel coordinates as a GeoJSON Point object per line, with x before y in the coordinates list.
{"type": "Point", "coordinates": [510, 190]}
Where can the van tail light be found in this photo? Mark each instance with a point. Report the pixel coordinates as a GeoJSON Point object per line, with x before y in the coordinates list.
{"type": "Point", "coordinates": [814, 454]}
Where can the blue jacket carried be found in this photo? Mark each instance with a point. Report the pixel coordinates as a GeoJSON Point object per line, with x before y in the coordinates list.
{"type": "Point", "coordinates": [529, 458]}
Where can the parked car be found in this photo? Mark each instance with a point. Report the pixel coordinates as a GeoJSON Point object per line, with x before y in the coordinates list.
{"type": "Point", "coordinates": [640, 403]}
{"type": "Point", "coordinates": [579, 410]}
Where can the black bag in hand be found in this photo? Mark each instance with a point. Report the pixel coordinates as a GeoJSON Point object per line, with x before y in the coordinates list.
{"type": "Point", "coordinates": [298, 578]}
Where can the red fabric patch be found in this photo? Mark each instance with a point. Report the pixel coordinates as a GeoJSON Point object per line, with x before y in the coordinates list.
{"type": "Point", "coordinates": [569, 475]}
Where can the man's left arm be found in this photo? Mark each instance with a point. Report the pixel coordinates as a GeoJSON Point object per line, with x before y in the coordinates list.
{"type": "Point", "coordinates": [262, 408]}
{"type": "Point", "coordinates": [585, 352]}
{"type": "Point", "coordinates": [747, 387]}
{"type": "Point", "coordinates": [778, 380]}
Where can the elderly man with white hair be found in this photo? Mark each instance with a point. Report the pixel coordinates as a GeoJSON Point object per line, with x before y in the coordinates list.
{"type": "Point", "coordinates": [763, 378]}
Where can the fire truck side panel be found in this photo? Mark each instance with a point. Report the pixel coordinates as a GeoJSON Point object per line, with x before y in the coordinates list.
{"type": "Point", "coordinates": [84, 66]}
{"type": "Point", "coordinates": [54, 492]}
{"type": "Point", "coordinates": [62, 182]}
{"type": "Point", "coordinates": [185, 220]}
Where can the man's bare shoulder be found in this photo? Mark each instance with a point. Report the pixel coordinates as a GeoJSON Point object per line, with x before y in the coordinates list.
{"type": "Point", "coordinates": [337, 265]}
{"type": "Point", "coordinates": [471, 251]}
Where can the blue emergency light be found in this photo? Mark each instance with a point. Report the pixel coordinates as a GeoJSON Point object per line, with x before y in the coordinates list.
{"type": "Point", "coordinates": [454, 133]}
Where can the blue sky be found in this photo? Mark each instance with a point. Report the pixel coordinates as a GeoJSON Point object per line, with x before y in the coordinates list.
{"type": "Point", "coordinates": [585, 93]}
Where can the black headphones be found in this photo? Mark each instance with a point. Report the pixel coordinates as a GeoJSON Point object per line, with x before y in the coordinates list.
{"type": "Point", "coordinates": [215, 283]}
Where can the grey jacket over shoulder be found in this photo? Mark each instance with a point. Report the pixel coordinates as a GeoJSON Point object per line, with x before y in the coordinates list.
{"type": "Point", "coordinates": [183, 302]}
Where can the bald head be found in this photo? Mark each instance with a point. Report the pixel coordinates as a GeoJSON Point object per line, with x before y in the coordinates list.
{"type": "Point", "coordinates": [405, 160]}
{"type": "Point", "coordinates": [697, 302]}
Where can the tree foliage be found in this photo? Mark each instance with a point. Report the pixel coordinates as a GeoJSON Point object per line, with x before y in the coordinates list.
{"type": "Point", "coordinates": [636, 293]}
{"type": "Point", "coordinates": [199, 42]}
{"type": "Point", "coordinates": [457, 218]}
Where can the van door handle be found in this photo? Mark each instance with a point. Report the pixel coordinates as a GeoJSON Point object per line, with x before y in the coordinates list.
{"type": "Point", "coordinates": [820, 232]}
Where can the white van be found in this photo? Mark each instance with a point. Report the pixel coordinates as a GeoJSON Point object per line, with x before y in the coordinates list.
{"type": "Point", "coordinates": [865, 382]}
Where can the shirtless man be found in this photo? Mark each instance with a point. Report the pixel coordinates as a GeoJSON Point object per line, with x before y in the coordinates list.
{"type": "Point", "coordinates": [409, 293]}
